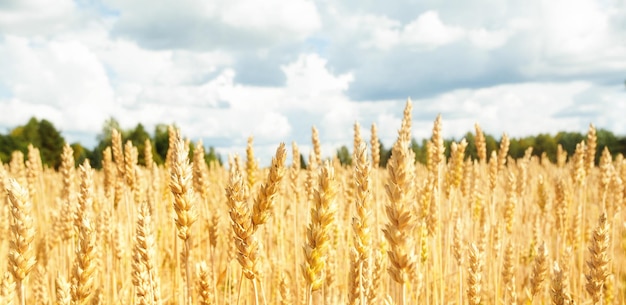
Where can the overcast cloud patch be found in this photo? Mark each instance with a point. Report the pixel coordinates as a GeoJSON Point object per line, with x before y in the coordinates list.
{"type": "Point", "coordinates": [227, 69]}
{"type": "Point", "coordinates": [261, 68]}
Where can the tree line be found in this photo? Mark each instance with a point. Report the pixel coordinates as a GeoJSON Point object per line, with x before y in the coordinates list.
{"type": "Point", "coordinates": [541, 143]}
{"type": "Point", "coordinates": [44, 135]}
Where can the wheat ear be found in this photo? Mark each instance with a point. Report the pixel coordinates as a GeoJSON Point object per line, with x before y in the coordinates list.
{"type": "Point", "coordinates": [598, 261]}
{"type": "Point", "coordinates": [251, 163]}
{"type": "Point", "coordinates": [21, 248]}
{"type": "Point", "coordinates": [361, 225]}
{"type": "Point", "coordinates": [245, 241]}
{"type": "Point", "coordinates": [540, 270]}
{"type": "Point", "coordinates": [399, 230]}
{"type": "Point", "coordinates": [62, 288]}
{"type": "Point", "coordinates": [317, 147]}
{"type": "Point", "coordinates": [84, 272]}
{"type": "Point", "coordinates": [264, 201]}
{"type": "Point", "coordinates": [182, 191]}
{"type": "Point", "coordinates": [559, 286]}
{"type": "Point", "coordinates": [318, 233]}
{"type": "Point", "coordinates": [204, 280]}
{"type": "Point", "coordinates": [481, 144]}
{"type": "Point", "coordinates": [145, 273]}
{"type": "Point", "coordinates": [474, 277]}
{"type": "Point", "coordinates": [7, 289]}
{"type": "Point", "coordinates": [375, 146]}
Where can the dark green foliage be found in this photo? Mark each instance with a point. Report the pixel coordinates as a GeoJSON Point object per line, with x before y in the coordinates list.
{"type": "Point", "coordinates": [41, 134]}
{"type": "Point", "coordinates": [303, 164]}
{"type": "Point", "coordinates": [569, 140]}
{"type": "Point", "coordinates": [212, 155]}
{"type": "Point", "coordinates": [344, 155]}
{"type": "Point", "coordinates": [50, 144]}
{"type": "Point", "coordinates": [7, 145]}
{"type": "Point", "coordinates": [421, 151]}
{"type": "Point", "coordinates": [160, 143]}
{"type": "Point", "coordinates": [80, 153]}
{"type": "Point", "coordinates": [138, 137]}
{"type": "Point", "coordinates": [541, 143]}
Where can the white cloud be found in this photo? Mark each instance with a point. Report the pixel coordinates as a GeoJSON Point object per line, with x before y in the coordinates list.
{"type": "Point", "coordinates": [63, 75]}
{"type": "Point", "coordinates": [428, 30]}
{"type": "Point", "coordinates": [291, 17]}
{"type": "Point", "coordinates": [309, 78]}
{"type": "Point", "coordinates": [522, 68]}
{"type": "Point", "coordinates": [481, 38]}
{"type": "Point", "coordinates": [581, 30]}
{"type": "Point", "coordinates": [574, 38]}
{"type": "Point", "coordinates": [36, 17]}
{"type": "Point", "coordinates": [215, 25]}
{"type": "Point", "coordinates": [380, 32]}
{"type": "Point", "coordinates": [517, 109]}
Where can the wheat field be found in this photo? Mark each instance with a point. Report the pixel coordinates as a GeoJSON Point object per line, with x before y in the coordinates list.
{"type": "Point", "coordinates": [453, 231]}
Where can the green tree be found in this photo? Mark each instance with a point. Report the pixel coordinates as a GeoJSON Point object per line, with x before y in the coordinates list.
{"type": "Point", "coordinates": [621, 146]}
{"type": "Point", "coordinates": [81, 153]}
{"type": "Point", "coordinates": [470, 150]}
{"type": "Point", "coordinates": [607, 139]}
{"type": "Point", "coordinates": [26, 134]}
{"type": "Point", "coordinates": [384, 154]}
{"type": "Point", "coordinates": [303, 164]}
{"type": "Point", "coordinates": [51, 144]}
{"type": "Point", "coordinates": [569, 140]}
{"type": "Point", "coordinates": [104, 140]}
{"type": "Point", "coordinates": [516, 148]}
{"type": "Point", "coordinates": [107, 129]}
{"type": "Point", "coordinates": [160, 143]}
{"type": "Point", "coordinates": [545, 143]}
{"type": "Point", "coordinates": [421, 151]}
{"type": "Point", "coordinates": [344, 155]}
{"type": "Point", "coordinates": [138, 137]}
{"type": "Point", "coordinates": [212, 155]}
{"type": "Point", "coordinates": [491, 144]}
{"type": "Point", "coordinates": [41, 134]}
{"type": "Point", "coordinates": [7, 146]}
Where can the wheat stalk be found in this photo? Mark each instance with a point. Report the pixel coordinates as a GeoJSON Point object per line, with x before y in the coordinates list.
{"type": "Point", "coordinates": [361, 225]}
{"type": "Point", "coordinates": [399, 230]}
{"type": "Point", "coordinates": [598, 262]}
{"type": "Point", "coordinates": [264, 201]}
{"type": "Point", "coordinates": [317, 147]}
{"type": "Point", "coordinates": [21, 249]}
{"type": "Point", "coordinates": [540, 269]}
{"type": "Point", "coordinates": [204, 279]}
{"type": "Point", "coordinates": [184, 198]}
{"type": "Point", "coordinates": [317, 244]}
{"type": "Point", "coordinates": [84, 274]}
{"type": "Point", "coordinates": [7, 289]}
{"type": "Point", "coordinates": [63, 291]}
{"type": "Point", "coordinates": [475, 275]}
{"type": "Point", "coordinates": [559, 287]}
{"type": "Point", "coordinates": [145, 273]}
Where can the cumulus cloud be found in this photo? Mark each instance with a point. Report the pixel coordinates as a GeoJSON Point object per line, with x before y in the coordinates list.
{"type": "Point", "coordinates": [474, 44]}
{"type": "Point", "coordinates": [287, 17]}
{"type": "Point", "coordinates": [35, 17]}
{"type": "Point", "coordinates": [426, 32]}
{"type": "Point", "coordinates": [214, 25]}
{"type": "Point", "coordinates": [429, 30]}
{"type": "Point", "coordinates": [61, 79]}
{"type": "Point", "coordinates": [225, 70]}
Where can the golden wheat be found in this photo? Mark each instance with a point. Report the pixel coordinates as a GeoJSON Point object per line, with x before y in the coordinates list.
{"type": "Point", "coordinates": [459, 230]}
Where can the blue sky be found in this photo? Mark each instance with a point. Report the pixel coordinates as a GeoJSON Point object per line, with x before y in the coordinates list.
{"type": "Point", "coordinates": [223, 70]}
